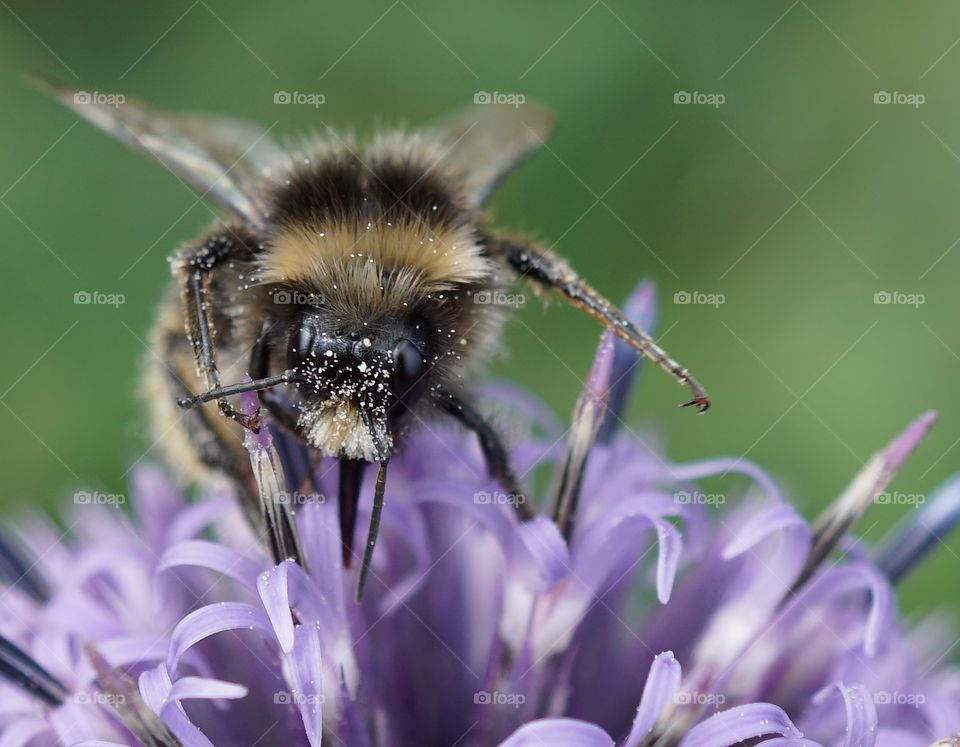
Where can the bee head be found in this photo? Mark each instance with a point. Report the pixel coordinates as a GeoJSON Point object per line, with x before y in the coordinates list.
{"type": "Point", "coordinates": [358, 379]}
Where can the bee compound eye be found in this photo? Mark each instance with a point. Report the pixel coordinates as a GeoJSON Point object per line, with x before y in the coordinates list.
{"type": "Point", "coordinates": [409, 374]}
{"type": "Point", "coordinates": [301, 345]}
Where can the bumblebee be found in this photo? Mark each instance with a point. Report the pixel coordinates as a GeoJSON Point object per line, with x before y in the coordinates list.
{"type": "Point", "coordinates": [347, 286]}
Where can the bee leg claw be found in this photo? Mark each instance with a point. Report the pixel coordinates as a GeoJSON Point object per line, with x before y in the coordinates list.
{"type": "Point", "coordinates": [251, 423]}
{"type": "Point", "coordinates": [701, 402]}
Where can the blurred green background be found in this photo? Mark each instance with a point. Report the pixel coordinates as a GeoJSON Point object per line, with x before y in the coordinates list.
{"type": "Point", "coordinates": [798, 198]}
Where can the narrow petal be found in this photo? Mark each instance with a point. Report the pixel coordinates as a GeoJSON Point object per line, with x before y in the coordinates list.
{"type": "Point", "coordinates": [861, 730]}
{"type": "Point", "coordinates": [155, 687]}
{"type": "Point", "coordinates": [202, 688]}
{"type": "Point", "coordinates": [207, 621]}
{"type": "Point", "coordinates": [213, 556]}
{"type": "Point", "coordinates": [559, 732]}
{"type": "Point", "coordinates": [306, 672]}
{"type": "Point", "coordinates": [736, 725]}
{"type": "Point", "coordinates": [275, 595]}
{"type": "Point", "coordinates": [663, 681]}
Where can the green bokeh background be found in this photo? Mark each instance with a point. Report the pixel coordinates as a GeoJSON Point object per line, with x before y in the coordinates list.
{"type": "Point", "coordinates": [798, 199]}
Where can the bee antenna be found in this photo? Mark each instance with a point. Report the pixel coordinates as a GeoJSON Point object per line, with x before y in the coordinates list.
{"type": "Point", "coordinates": [374, 527]}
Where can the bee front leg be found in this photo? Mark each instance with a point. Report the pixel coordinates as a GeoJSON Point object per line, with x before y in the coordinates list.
{"type": "Point", "coordinates": [494, 450]}
{"type": "Point", "coordinates": [195, 269]}
{"type": "Point", "coordinates": [545, 271]}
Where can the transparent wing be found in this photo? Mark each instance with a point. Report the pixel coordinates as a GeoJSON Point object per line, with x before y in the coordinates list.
{"type": "Point", "coordinates": [486, 142]}
{"type": "Point", "coordinates": [229, 160]}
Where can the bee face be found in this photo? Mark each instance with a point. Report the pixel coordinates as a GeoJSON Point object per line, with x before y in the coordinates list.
{"type": "Point", "coordinates": [358, 375]}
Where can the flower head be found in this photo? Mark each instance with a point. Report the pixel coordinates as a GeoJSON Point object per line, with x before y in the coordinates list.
{"type": "Point", "coordinates": [642, 612]}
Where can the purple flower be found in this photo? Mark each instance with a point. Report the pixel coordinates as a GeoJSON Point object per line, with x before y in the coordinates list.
{"type": "Point", "coordinates": [668, 617]}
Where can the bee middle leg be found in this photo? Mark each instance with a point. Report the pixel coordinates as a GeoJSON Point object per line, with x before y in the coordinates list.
{"type": "Point", "coordinates": [494, 450]}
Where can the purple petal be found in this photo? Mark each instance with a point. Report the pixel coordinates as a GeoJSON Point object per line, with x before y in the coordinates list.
{"type": "Point", "coordinates": [155, 687]}
{"type": "Point", "coordinates": [777, 518]}
{"type": "Point", "coordinates": [847, 579]}
{"type": "Point", "coordinates": [559, 732]}
{"type": "Point", "coordinates": [214, 557]}
{"type": "Point", "coordinates": [735, 725]}
{"type": "Point", "coordinates": [663, 681]}
{"type": "Point", "coordinates": [275, 596]}
{"type": "Point", "coordinates": [306, 672]}
{"type": "Point", "coordinates": [207, 621]}
{"type": "Point", "coordinates": [723, 466]}
{"type": "Point", "coordinates": [861, 729]}
{"type": "Point", "coordinates": [202, 688]}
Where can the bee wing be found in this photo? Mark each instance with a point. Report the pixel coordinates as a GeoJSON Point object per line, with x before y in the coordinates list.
{"type": "Point", "coordinates": [229, 160]}
{"type": "Point", "coordinates": [485, 143]}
